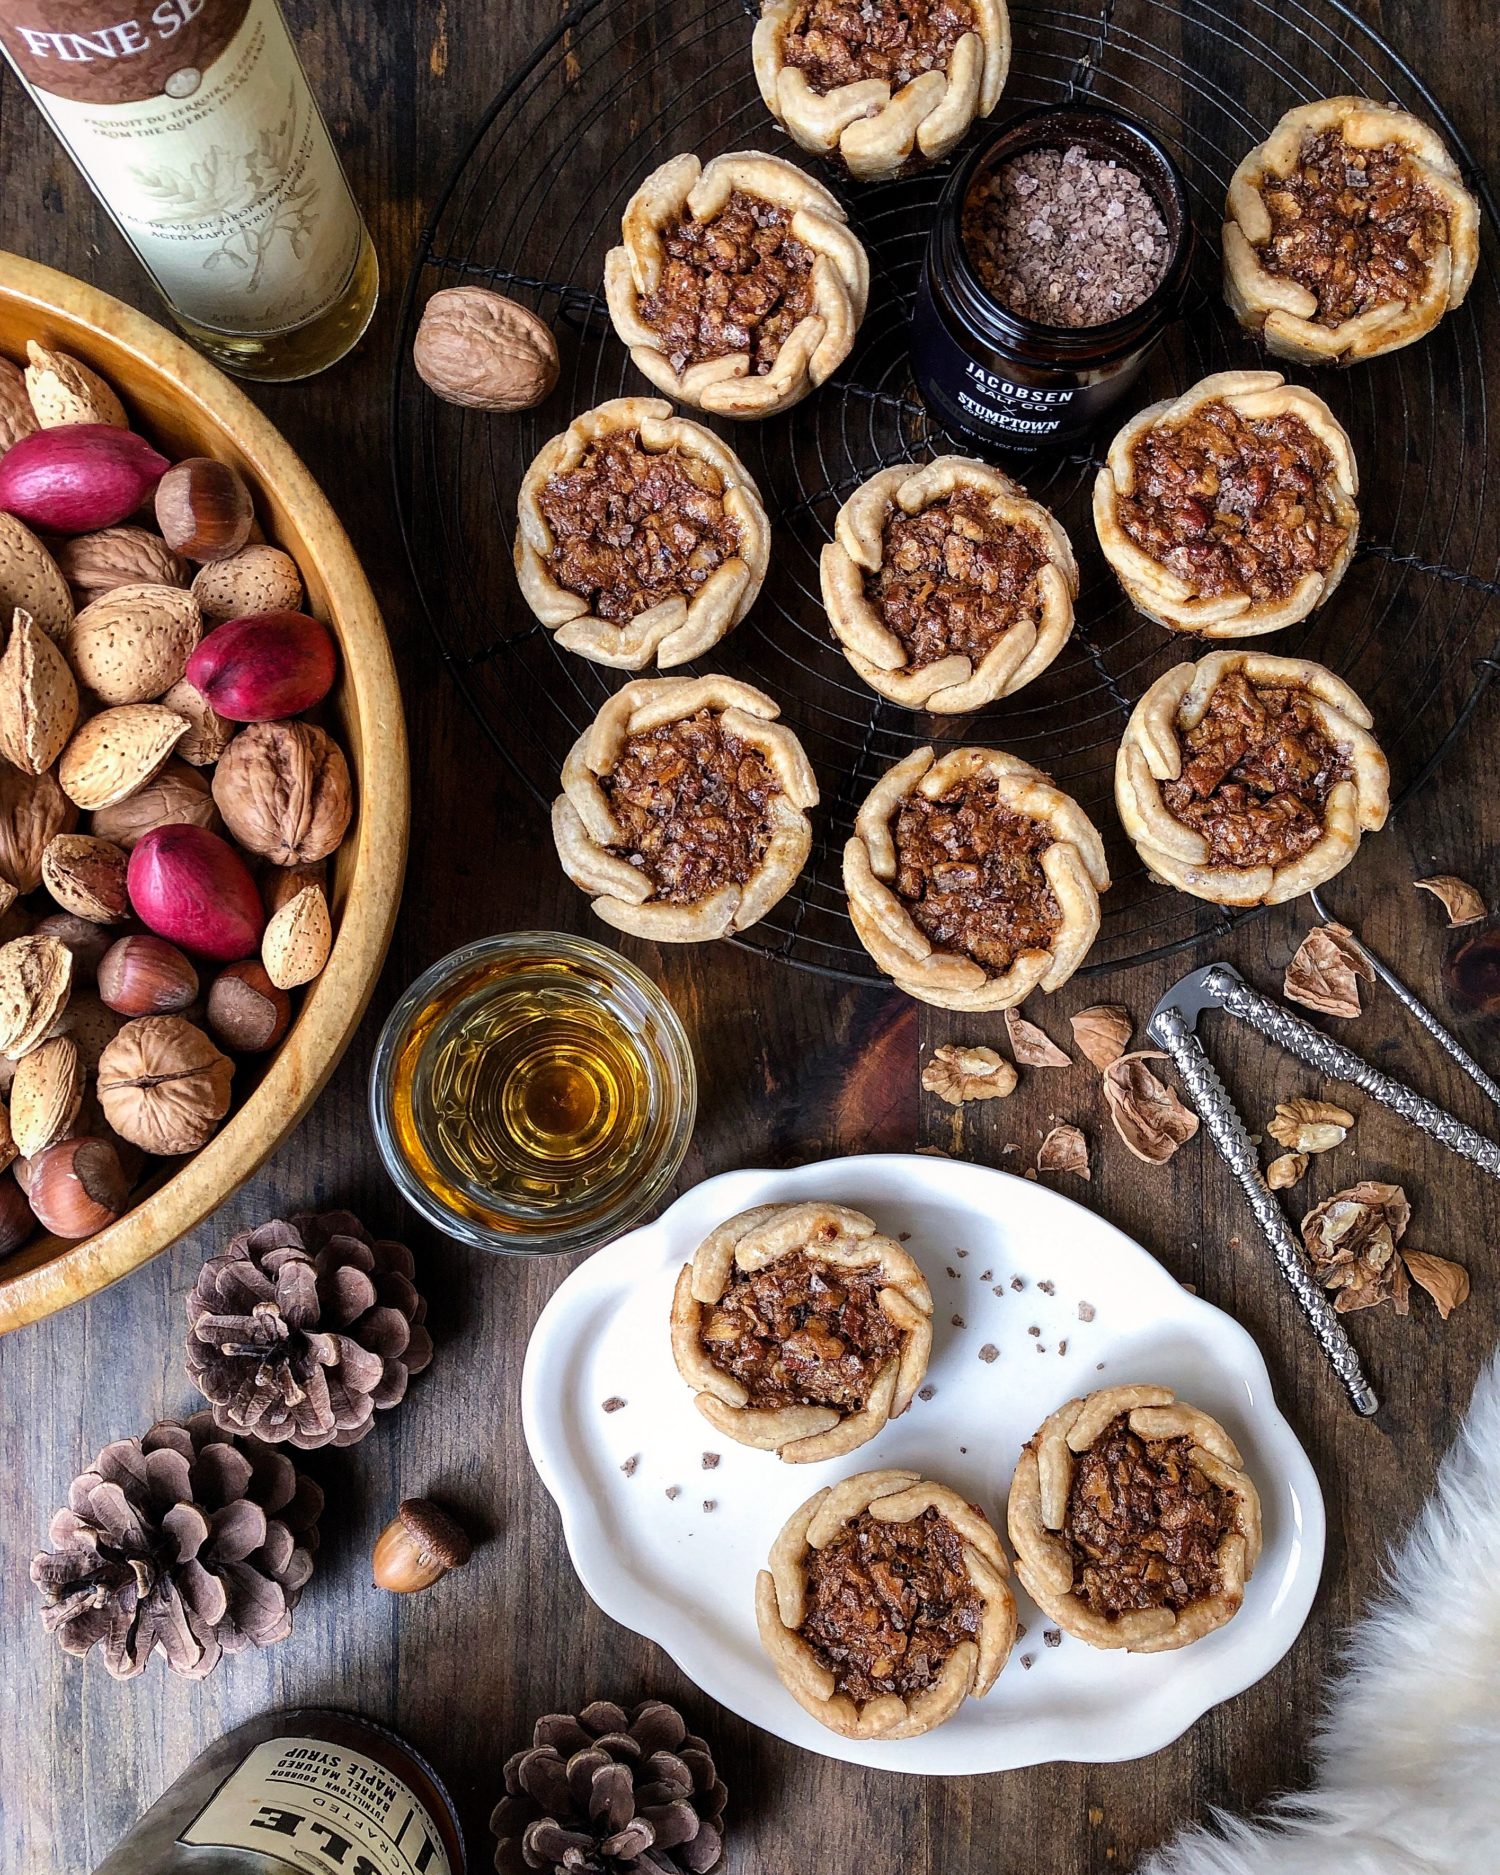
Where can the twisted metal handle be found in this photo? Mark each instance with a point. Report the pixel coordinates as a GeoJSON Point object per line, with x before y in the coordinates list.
{"type": "Point", "coordinates": [1331, 1058]}
{"type": "Point", "coordinates": [1228, 1132]}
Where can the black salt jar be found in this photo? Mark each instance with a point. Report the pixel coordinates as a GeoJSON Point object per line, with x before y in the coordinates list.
{"type": "Point", "coordinates": [1013, 383]}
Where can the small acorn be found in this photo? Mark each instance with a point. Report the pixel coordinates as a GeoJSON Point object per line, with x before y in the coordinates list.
{"type": "Point", "coordinates": [418, 1547]}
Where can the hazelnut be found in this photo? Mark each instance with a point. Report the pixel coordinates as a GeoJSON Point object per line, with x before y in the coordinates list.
{"type": "Point", "coordinates": [17, 1219]}
{"type": "Point", "coordinates": [284, 791]}
{"type": "Point", "coordinates": [146, 976]}
{"type": "Point", "coordinates": [246, 1011]}
{"type": "Point", "coordinates": [163, 1085]}
{"type": "Point", "coordinates": [76, 1187]}
{"type": "Point", "coordinates": [418, 1547]}
{"type": "Point", "coordinates": [86, 941]}
{"type": "Point", "coordinates": [482, 351]}
{"type": "Point", "coordinates": [203, 509]}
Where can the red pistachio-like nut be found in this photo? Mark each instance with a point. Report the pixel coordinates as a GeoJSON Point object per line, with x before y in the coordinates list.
{"type": "Point", "coordinates": [192, 888]}
{"type": "Point", "coordinates": [78, 478]}
{"type": "Point", "coordinates": [256, 670]}
{"type": "Point", "coordinates": [203, 509]}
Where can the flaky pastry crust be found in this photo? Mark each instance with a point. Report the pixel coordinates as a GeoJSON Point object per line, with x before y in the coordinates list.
{"type": "Point", "coordinates": [1285, 311]}
{"type": "Point", "coordinates": [1037, 1515]}
{"type": "Point", "coordinates": [781, 1605]}
{"type": "Point", "coordinates": [953, 684]}
{"type": "Point", "coordinates": [874, 131]}
{"type": "Point", "coordinates": [1074, 864]}
{"type": "Point", "coordinates": [1150, 753]}
{"type": "Point", "coordinates": [674, 630]}
{"type": "Point", "coordinates": [816, 345]}
{"type": "Point", "coordinates": [588, 835]}
{"type": "Point", "coordinates": [1159, 592]}
{"type": "Point", "coordinates": [844, 1240]}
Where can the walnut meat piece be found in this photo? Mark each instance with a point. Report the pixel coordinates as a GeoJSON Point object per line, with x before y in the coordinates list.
{"type": "Point", "coordinates": [1351, 1241]}
{"type": "Point", "coordinates": [482, 351]}
{"type": "Point", "coordinates": [163, 1085]}
{"type": "Point", "coordinates": [960, 1074]}
{"type": "Point", "coordinates": [1310, 1125]}
{"type": "Point", "coordinates": [284, 791]}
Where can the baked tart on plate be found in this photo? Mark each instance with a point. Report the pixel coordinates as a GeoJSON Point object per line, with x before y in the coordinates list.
{"type": "Point", "coordinates": [885, 1604]}
{"type": "Point", "coordinates": [737, 285]}
{"type": "Point", "coordinates": [802, 1329]}
{"type": "Point", "coordinates": [972, 880]}
{"type": "Point", "coordinates": [1349, 232]}
{"type": "Point", "coordinates": [946, 586]}
{"type": "Point", "coordinates": [880, 83]}
{"type": "Point", "coordinates": [684, 808]}
{"type": "Point", "coordinates": [641, 536]}
{"type": "Point", "coordinates": [1133, 1522]}
{"type": "Point", "coordinates": [1230, 511]}
{"type": "Point", "coordinates": [1247, 779]}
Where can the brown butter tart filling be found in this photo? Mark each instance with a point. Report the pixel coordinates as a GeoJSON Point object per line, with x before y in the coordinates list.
{"type": "Point", "coordinates": [841, 42]}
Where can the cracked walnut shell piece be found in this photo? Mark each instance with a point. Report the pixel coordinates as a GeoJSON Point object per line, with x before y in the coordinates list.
{"type": "Point", "coordinates": [802, 1329]}
{"type": "Point", "coordinates": [878, 109]}
{"type": "Point", "coordinates": [1230, 511]}
{"type": "Point", "coordinates": [1232, 803]}
{"type": "Point", "coordinates": [885, 1604]}
{"type": "Point", "coordinates": [656, 520]}
{"type": "Point", "coordinates": [1133, 1521]}
{"type": "Point", "coordinates": [972, 880]}
{"type": "Point", "coordinates": [1348, 233]}
{"type": "Point", "coordinates": [946, 586]}
{"type": "Point", "coordinates": [684, 808]}
{"type": "Point", "coordinates": [738, 285]}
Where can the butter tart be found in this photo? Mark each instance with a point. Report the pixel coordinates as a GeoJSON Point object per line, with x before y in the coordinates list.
{"type": "Point", "coordinates": [886, 1602]}
{"type": "Point", "coordinates": [802, 1329]}
{"type": "Point", "coordinates": [946, 586]}
{"type": "Point", "coordinates": [641, 536]}
{"type": "Point", "coordinates": [1349, 232]}
{"type": "Point", "coordinates": [972, 880]}
{"type": "Point", "coordinates": [881, 82]}
{"type": "Point", "coordinates": [738, 285]}
{"type": "Point", "coordinates": [1230, 511]}
{"type": "Point", "coordinates": [1247, 779]}
{"type": "Point", "coordinates": [1133, 1521]}
{"type": "Point", "coordinates": [684, 808]}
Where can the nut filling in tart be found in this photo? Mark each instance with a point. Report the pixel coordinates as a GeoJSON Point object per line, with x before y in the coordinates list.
{"type": "Point", "coordinates": [838, 42]}
{"type": "Point", "coordinates": [886, 1603]}
{"type": "Point", "coordinates": [1133, 1521]}
{"type": "Point", "coordinates": [1246, 779]}
{"type": "Point", "coordinates": [684, 808]}
{"type": "Point", "coordinates": [972, 880]}
{"type": "Point", "coordinates": [737, 285]}
{"type": "Point", "coordinates": [1349, 232]}
{"type": "Point", "coordinates": [640, 536]}
{"type": "Point", "coordinates": [946, 585]}
{"type": "Point", "coordinates": [1231, 510]}
{"type": "Point", "coordinates": [802, 1329]}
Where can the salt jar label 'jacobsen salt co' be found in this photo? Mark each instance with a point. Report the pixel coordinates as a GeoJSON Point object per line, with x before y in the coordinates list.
{"type": "Point", "coordinates": [321, 1808]}
{"type": "Point", "coordinates": [193, 123]}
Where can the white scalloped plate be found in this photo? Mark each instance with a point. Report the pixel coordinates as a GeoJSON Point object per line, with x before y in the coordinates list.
{"type": "Point", "coordinates": [683, 1575]}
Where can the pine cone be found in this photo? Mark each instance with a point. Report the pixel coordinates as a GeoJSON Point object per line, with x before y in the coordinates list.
{"type": "Point", "coordinates": [188, 1540]}
{"type": "Point", "coordinates": [604, 1793]}
{"type": "Point", "coordinates": [303, 1327]}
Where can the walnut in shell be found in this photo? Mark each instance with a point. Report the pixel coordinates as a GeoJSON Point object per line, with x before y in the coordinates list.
{"type": "Point", "coordinates": [38, 698]}
{"type": "Point", "coordinates": [284, 791]}
{"type": "Point", "coordinates": [959, 1074]}
{"type": "Point", "coordinates": [33, 809]}
{"type": "Point", "coordinates": [163, 1085]}
{"type": "Point", "coordinates": [176, 796]}
{"type": "Point", "coordinates": [482, 351]}
{"type": "Point", "coordinates": [94, 564]}
{"type": "Point", "coordinates": [133, 643]}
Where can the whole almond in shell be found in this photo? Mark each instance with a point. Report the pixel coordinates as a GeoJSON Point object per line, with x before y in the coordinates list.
{"type": "Point", "coordinates": [298, 939]}
{"type": "Point", "coordinates": [36, 974]}
{"type": "Point", "coordinates": [94, 564]}
{"type": "Point", "coordinates": [86, 875]}
{"type": "Point", "coordinates": [481, 350]}
{"type": "Point", "coordinates": [45, 1095]}
{"type": "Point", "coordinates": [208, 734]}
{"type": "Point", "coordinates": [130, 645]}
{"type": "Point", "coordinates": [30, 577]}
{"type": "Point", "coordinates": [284, 791]}
{"type": "Point", "coordinates": [256, 579]}
{"type": "Point", "coordinates": [38, 698]}
{"type": "Point", "coordinates": [33, 810]}
{"type": "Point", "coordinates": [17, 418]}
{"type": "Point", "coordinates": [64, 390]}
{"type": "Point", "coordinates": [91, 1027]}
{"type": "Point", "coordinates": [178, 796]}
{"type": "Point", "coordinates": [116, 752]}
{"type": "Point", "coordinates": [163, 1085]}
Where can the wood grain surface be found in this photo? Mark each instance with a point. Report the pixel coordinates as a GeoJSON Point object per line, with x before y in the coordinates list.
{"type": "Point", "coordinates": [794, 1068]}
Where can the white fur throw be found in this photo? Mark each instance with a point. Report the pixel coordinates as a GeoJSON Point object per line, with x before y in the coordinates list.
{"type": "Point", "coordinates": [1408, 1758]}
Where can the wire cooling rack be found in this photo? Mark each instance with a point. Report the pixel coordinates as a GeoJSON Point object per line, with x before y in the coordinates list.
{"type": "Point", "coordinates": [534, 205]}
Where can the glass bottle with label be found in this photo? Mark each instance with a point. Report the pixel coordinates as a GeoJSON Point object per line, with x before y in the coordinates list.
{"type": "Point", "coordinates": [193, 123]}
{"type": "Point", "coordinates": [301, 1792]}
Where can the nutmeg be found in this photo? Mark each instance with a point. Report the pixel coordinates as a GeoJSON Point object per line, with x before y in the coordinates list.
{"type": "Point", "coordinates": [482, 351]}
{"type": "Point", "coordinates": [77, 1187]}
{"type": "Point", "coordinates": [146, 976]}
{"type": "Point", "coordinates": [203, 509]}
{"type": "Point", "coordinates": [246, 1010]}
{"type": "Point", "coordinates": [418, 1547]}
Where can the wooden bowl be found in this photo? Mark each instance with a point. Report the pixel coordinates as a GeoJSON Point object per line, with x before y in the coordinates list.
{"type": "Point", "coordinates": [188, 408]}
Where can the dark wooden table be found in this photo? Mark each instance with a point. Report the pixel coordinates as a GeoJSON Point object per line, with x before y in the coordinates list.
{"type": "Point", "coordinates": [795, 1068]}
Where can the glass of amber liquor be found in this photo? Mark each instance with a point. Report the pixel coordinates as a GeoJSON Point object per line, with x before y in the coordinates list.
{"type": "Point", "coordinates": [533, 1093]}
